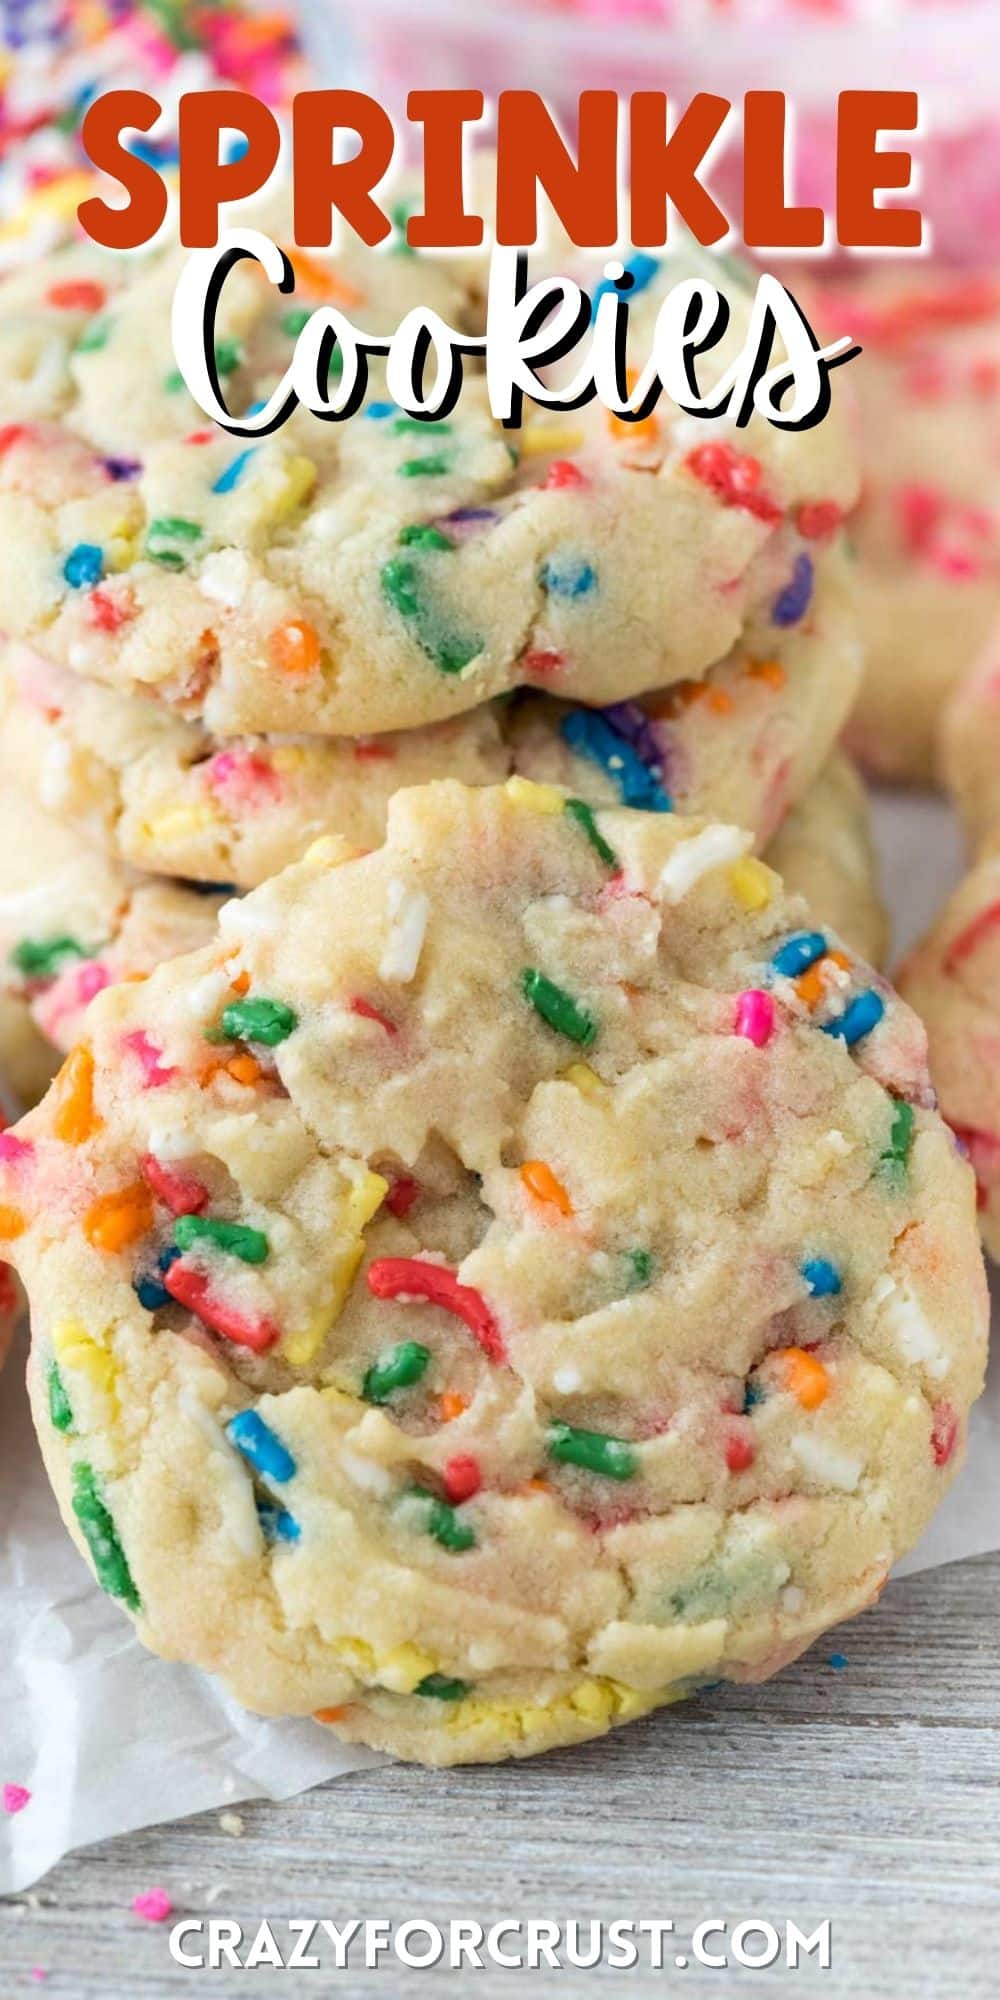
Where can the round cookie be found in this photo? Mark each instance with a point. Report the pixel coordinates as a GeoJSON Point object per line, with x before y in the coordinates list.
{"type": "Point", "coordinates": [571, 1299]}
{"type": "Point", "coordinates": [952, 979]}
{"type": "Point", "coordinates": [74, 920]}
{"type": "Point", "coordinates": [970, 748]}
{"type": "Point", "coordinates": [747, 740]}
{"type": "Point", "coordinates": [373, 575]}
{"type": "Point", "coordinates": [926, 392]}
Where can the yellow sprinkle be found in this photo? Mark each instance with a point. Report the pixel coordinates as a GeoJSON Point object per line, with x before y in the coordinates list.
{"type": "Point", "coordinates": [539, 438]}
{"type": "Point", "coordinates": [357, 1655]}
{"type": "Point", "coordinates": [180, 821]}
{"type": "Point", "coordinates": [74, 1348]}
{"type": "Point", "coordinates": [298, 477]}
{"type": "Point", "coordinates": [121, 551]}
{"type": "Point", "coordinates": [60, 198]}
{"type": "Point", "coordinates": [592, 1699]}
{"type": "Point", "coordinates": [535, 798]}
{"type": "Point", "coordinates": [363, 1199]}
{"type": "Point", "coordinates": [585, 1080]}
{"type": "Point", "coordinates": [752, 882]}
{"type": "Point", "coordinates": [403, 1668]}
{"type": "Point", "coordinates": [331, 850]}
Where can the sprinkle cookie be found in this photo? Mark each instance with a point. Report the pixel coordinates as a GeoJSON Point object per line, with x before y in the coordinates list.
{"type": "Point", "coordinates": [510, 1280]}
{"type": "Point", "coordinates": [73, 920]}
{"type": "Point", "coordinates": [748, 740]}
{"type": "Point", "coordinates": [926, 391]}
{"type": "Point", "coordinates": [384, 573]}
{"type": "Point", "coordinates": [953, 981]}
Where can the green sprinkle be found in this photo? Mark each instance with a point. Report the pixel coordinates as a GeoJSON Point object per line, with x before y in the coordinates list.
{"type": "Point", "coordinates": [433, 467]}
{"type": "Point", "coordinates": [642, 1264]}
{"type": "Point", "coordinates": [94, 335]}
{"type": "Point", "coordinates": [249, 1245]}
{"type": "Point", "coordinates": [173, 382]}
{"type": "Point", "coordinates": [420, 427]}
{"type": "Point", "coordinates": [402, 586]}
{"type": "Point", "coordinates": [399, 216]}
{"type": "Point", "coordinates": [398, 1369]}
{"type": "Point", "coordinates": [42, 958]}
{"type": "Point", "coordinates": [228, 355]}
{"type": "Point", "coordinates": [558, 1008]}
{"type": "Point", "coordinates": [439, 1688]}
{"type": "Point", "coordinates": [163, 533]}
{"type": "Point", "coordinates": [584, 816]}
{"type": "Point", "coordinates": [294, 321]}
{"type": "Point", "coordinates": [421, 536]}
{"type": "Point", "coordinates": [60, 1411]}
{"type": "Point", "coordinates": [441, 1521]}
{"type": "Point", "coordinates": [896, 1156]}
{"type": "Point", "coordinates": [592, 1451]}
{"type": "Point", "coordinates": [99, 1533]}
{"type": "Point", "coordinates": [267, 1021]}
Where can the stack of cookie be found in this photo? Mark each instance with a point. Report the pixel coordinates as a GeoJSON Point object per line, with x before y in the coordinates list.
{"type": "Point", "coordinates": [503, 1280]}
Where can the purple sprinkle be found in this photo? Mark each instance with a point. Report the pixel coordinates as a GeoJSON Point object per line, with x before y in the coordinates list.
{"type": "Point", "coordinates": [464, 522]}
{"type": "Point", "coordinates": [793, 602]}
{"type": "Point", "coordinates": [632, 722]}
{"type": "Point", "coordinates": [122, 468]}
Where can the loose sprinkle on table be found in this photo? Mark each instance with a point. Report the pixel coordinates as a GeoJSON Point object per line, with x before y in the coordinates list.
{"type": "Point", "coordinates": [14, 1798]}
{"type": "Point", "coordinates": [154, 1906]}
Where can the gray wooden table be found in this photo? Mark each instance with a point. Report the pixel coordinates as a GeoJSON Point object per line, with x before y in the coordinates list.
{"type": "Point", "coordinates": [867, 1794]}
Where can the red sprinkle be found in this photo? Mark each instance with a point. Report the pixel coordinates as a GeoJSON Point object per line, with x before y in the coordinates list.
{"type": "Point", "coordinates": [816, 519]}
{"type": "Point", "coordinates": [107, 612]}
{"type": "Point", "coordinates": [154, 1906]}
{"type": "Point", "coordinates": [740, 1449]}
{"type": "Point", "coordinates": [462, 1478]}
{"type": "Point", "coordinates": [413, 1277]}
{"type": "Point", "coordinates": [14, 1798]}
{"type": "Point", "coordinates": [402, 1195]}
{"type": "Point", "coordinates": [11, 434]}
{"type": "Point", "coordinates": [735, 477]}
{"type": "Point", "coordinates": [77, 295]}
{"type": "Point", "coordinates": [369, 1013]}
{"type": "Point", "coordinates": [190, 1289]}
{"type": "Point", "coordinates": [563, 475]}
{"type": "Point", "coordinates": [944, 1432]}
{"type": "Point", "coordinates": [972, 937]}
{"type": "Point", "coordinates": [181, 1193]}
{"type": "Point", "coordinates": [368, 751]}
{"type": "Point", "coordinates": [540, 662]}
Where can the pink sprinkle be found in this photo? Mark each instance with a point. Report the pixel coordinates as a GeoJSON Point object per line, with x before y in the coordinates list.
{"type": "Point", "coordinates": [154, 1906]}
{"type": "Point", "coordinates": [14, 1798]}
{"type": "Point", "coordinates": [243, 776]}
{"type": "Point", "coordinates": [75, 989]}
{"type": "Point", "coordinates": [38, 1974]}
{"type": "Point", "coordinates": [14, 1150]}
{"type": "Point", "coordinates": [755, 1017]}
{"type": "Point", "coordinates": [944, 1432]}
{"type": "Point", "coordinates": [148, 1056]}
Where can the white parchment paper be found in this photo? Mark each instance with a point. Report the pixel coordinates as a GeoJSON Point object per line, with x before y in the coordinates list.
{"type": "Point", "coordinates": [108, 1739]}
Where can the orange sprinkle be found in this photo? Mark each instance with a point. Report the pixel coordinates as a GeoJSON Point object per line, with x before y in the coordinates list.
{"type": "Point", "coordinates": [718, 701]}
{"type": "Point", "coordinates": [810, 984]}
{"type": "Point", "coordinates": [12, 1223]}
{"type": "Point", "coordinates": [241, 984]}
{"type": "Point", "coordinates": [294, 647]}
{"type": "Point", "coordinates": [647, 427]}
{"type": "Point", "coordinates": [323, 279]}
{"type": "Point", "coordinates": [116, 1220]}
{"type": "Point", "coordinates": [542, 1185]}
{"type": "Point", "coordinates": [75, 1117]}
{"type": "Point", "coordinates": [537, 1485]}
{"type": "Point", "coordinates": [451, 1405]}
{"type": "Point", "coordinates": [805, 1378]}
{"type": "Point", "coordinates": [770, 671]}
{"type": "Point", "coordinates": [330, 1714]}
{"type": "Point", "coordinates": [244, 1068]}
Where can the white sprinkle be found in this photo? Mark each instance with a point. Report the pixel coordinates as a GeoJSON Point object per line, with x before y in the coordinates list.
{"type": "Point", "coordinates": [364, 1472]}
{"type": "Point", "coordinates": [232, 1822]}
{"type": "Point", "coordinates": [566, 1380]}
{"type": "Point", "coordinates": [792, 1598]}
{"type": "Point", "coordinates": [696, 857]}
{"type": "Point", "coordinates": [54, 775]}
{"type": "Point", "coordinates": [838, 1143]}
{"type": "Point", "coordinates": [824, 1462]}
{"type": "Point", "coordinates": [409, 910]}
{"type": "Point", "coordinates": [225, 577]}
{"type": "Point", "coordinates": [908, 1326]}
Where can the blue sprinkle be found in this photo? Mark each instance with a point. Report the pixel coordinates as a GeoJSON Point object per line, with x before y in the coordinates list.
{"type": "Point", "coordinates": [233, 472]}
{"type": "Point", "coordinates": [254, 409]}
{"type": "Point", "coordinates": [568, 576]}
{"type": "Point", "coordinates": [798, 953]}
{"type": "Point", "coordinates": [838, 1661]}
{"type": "Point", "coordinates": [591, 736]}
{"type": "Point", "coordinates": [277, 1524]}
{"type": "Point", "coordinates": [84, 565]}
{"type": "Point", "coordinates": [823, 1278]}
{"type": "Point", "coordinates": [753, 1394]}
{"type": "Point", "coordinates": [864, 1013]}
{"type": "Point", "coordinates": [261, 1446]}
{"type": "Point", "coordinates": [148, 1290]}
{"type": "Point", "coordinates": [793, 602]}
{"type": "Point", "coordinates": [642, 269]}
{"type": "Point", "coordinates": [380, 410]}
